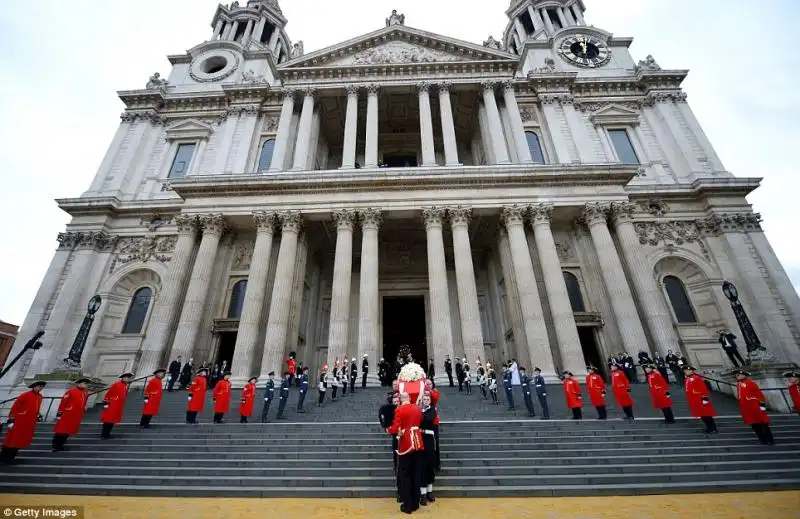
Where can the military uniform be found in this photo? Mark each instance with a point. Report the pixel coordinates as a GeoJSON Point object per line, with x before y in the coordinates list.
{"type": "Point", "coordinates": [525, 380]}
{"type": "Point", "coordinates": [509, 389]}
{"type": "Point", "coordinates": [284, 396]}
{"type": "Point", "coordinates": [269, 393]}
{"type": "Point", "coordinates": [322, 385]}
{"type": "Point", "coordinates": [303, 390]}
{"type": "Point", "coordinates": [541, 392]}
{"type": "Point", "coordinates": [492, 383]}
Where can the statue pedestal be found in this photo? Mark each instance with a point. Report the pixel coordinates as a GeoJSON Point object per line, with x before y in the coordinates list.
{"type": "Point", "coordinates": [767, 376]}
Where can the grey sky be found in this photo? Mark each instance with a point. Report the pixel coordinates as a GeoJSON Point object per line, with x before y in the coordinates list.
{"type": "Point", "coordinates": [64, 61]}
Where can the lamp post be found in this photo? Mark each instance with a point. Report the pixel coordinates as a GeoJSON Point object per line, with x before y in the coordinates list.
{"type": "Point", "coordinates": [73, 360]}
{"type": "Point", "coordinates": [748, 333]}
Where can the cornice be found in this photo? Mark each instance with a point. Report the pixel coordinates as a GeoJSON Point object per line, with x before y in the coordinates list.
{"type": "Point", "coordinates": [113, 206]}
{"type": "Point", "coordinates": [395, 70]}
{"type": "Point", "coordinates": [704, 186]}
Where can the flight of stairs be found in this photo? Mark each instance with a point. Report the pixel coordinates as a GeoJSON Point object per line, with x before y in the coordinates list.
{"type": "Point", "coordinates": [486, 451]}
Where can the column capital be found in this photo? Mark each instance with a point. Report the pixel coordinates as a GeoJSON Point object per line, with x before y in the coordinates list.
{"type": "Point", "coordinates": [508, 86]}
{"type": "Point", "coordinates": [373, 89]}
{"type": "Point", "coordinates": [187, 224]}
{"type": "Point", "coordinates": [370, 218]}
{"type": "Point", "coordinates": [445, 86]}
{"type": "Point", "coordinates": [423, 86]}
{"type": "Point", "coordinates": [265, 222]}
{"type": "Point", "coordinates": [291, 221]}
{"type": "Point", "coordinates": [344, 219]}
{"type": "Point", "coordinates": [433, 216]}
{"type": "Point", "coordinates": [352, 90]}
{"type": "Point", "coordinates": [459, 215]}
{"type": "Point", "coordinates": [595, 212]}
{"type": "Point", "coordinates": [289, 93]}
{"type": "Point", "coordinates": [488, 85]}
{"type": "Point", "coordinates": [310, 92]}
{"type": "Point", "coordinates": [541, 214]}
{"type": "Point", "coordinates": [513, 214]}
{"type": "Point", "coordinates": [622, 212]}
{"type": "Point", "coordinates": [212, 224]}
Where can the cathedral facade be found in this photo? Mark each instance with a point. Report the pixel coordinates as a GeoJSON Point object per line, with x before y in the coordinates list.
{"type": "Point", "coordinates": [542, 196]}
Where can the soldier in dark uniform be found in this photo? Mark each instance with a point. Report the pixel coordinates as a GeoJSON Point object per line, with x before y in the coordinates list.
{"type": "Point", "coordinates": [269, 393]}
{"type": "Point", "coordinates": [364, 371]}
{"type": "Point", "coordinates": [284, 396]}
{"type": "Point", "coordinates": [344, 377]}
{"type": "Point", "coordinates": [460, 374]}
{"type": "Point", "coordinates": [428, 455]}
{"type": "Point", "coordinates": [353, 375]}
{"type": "Point", "coordinates": [492, 378]}
{"type": "Point", "coordinates": [322, 385]}
{"type": "Point", "coordinates": [335, 379]}
{"type": "Point", "coordinates": [508, 388]}
{"type": "Point", "coordinates": [661, 366]}
{"type": "Point", "coordinates": [448, 369]}
{"type": "Point", "coordinates": [303, 390]}
{"type": "Point", "coordinates": [482, 380]}
{"type": "Point", "coordinates": [431, 372]}
{"type": "Point", "coordinates": [541, 392]}
{"type": "Point", "coordinates": [525, 381]}
{"type": "Point", "coordinates": [674, 366]}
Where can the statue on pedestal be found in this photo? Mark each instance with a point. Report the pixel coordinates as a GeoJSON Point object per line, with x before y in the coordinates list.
{"type": "Point", "coordinates": [395, 19]}
{"type": "Point", "coordinates": [156, 83]}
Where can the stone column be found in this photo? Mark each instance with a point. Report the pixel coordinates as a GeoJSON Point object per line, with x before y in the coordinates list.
{"type": "Point", "coordinates": [523, 36]}
{"type": "Point", "coordinates": [654, 306]}
{"type": "Point", "coordinates": [350, 129]}
{"type": "Point", "coordinates": [248, 32]}
{"type": "Point", "coordinates": [280, 303]}
{"type": "Point", "coordinates": [426, 125]}
{"type": "Point", "coordinates": [516, 123]}
{"type": "Point", "coordinates": [368, 299]}
{"type": "Point", "coordinates": [231, 33]}
{"type": "Point", "coordinates": [560, 307]}
{"type": "Point", "coordinates": [448, 130]}
{"type": "Point", "coordinates": [371, 143]}
{"type": "Point", "coordinates": [441, 333]}
{"type": "Point", "coordinates": [561, 17]}
{"type": "Point", "coordinates": [622, 303]}
{"type": "Point", "coordinates": [538, 24]}
{"type": "Point", "coordinates": [568, 15]}
{"type": "Point", "coordinates": [471, 332]}
{"type": "Point", "coordinates": [247, 336]}
{"type": "Point", "coordinates": [197, 293]}
{"type": "Point", "coordinates": [284, 129]}
{"type": "Point", "coordinates": [304, 128]}
{"type": "Point", "coordinates": [552, 120]}
{"type": "Point", "coordinates": [580, 134]}
{"type": "Point", "coordinates": [548, 24]}
{"type": "Point", "coordinates": [579, 14]}
{"type": "Point", "coordinates": [259, 29]}
{"type": "Point", "coordinates": [272, 45]}
{"type": "Point", "coordinates": [530, 304]}
{"type": "Point", "coordinates": [166, 305]}
{"type": "Point", "coordinates": [340, 289]}
{"type": "Point", "coordinates": [495, 126]}
{"type": "Point", "coordinates": [217, 29]}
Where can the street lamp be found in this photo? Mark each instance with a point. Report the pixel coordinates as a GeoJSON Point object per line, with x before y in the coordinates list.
{"type": "Point", "coordinates": [73, 360]}
{"type": "Point", "coordinates": [748, 333]}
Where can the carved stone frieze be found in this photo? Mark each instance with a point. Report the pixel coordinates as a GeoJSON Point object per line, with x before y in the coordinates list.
{"type": "Point", "coordinates": [186, 223]}
{"type": "Point", "coordinates": [433, 216]}
{"type": "Point", "coordinates": [566, 254]}
{"type": "Point", "coordinates": [671, 234]}
{"type": "Point", "coordinates": [242, 255]}
{"type": "Point", "coordinates": [459, 215]}
{"type": "Point", "coordinates": [143, 249]}
{"type": "Point", "coordinates": [400, 52]}
{"type": "Point", "coordinates": [87, 240]}
{"type": "Point", "coordinates": [654, 206]}
{"type": "Point", "coordinates": [270, 124]}
{"type": "Point", "coordinates": [528, 114]}
{"type": "Point", "coordinates": [733, 222]}
{"type": "Point", "coordinates": [622, 211]}
{"type": "Point", "coordinates": [596, 106]}
{"type": "Point", "coordinates": [668, 96]}
{"type": "Point", "coordinates": [549, 99]}
{"type": "Point", "coordinates": [155, 220]}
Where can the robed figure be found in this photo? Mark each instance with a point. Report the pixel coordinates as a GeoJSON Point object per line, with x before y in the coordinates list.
{"type": "Point", "coordinates": [659, 392]}
{"type": "Point", "coordinates": [197, 396]}
{"type": "Point", "coordinates": [70, 413]}
{"type": "Point", "coordinates": [572, 393]}
{"type": "Point", "coordinates": [114, 404]}
{"type": "Point", "coordinates": [248, 400]}
{"type": "Point", "coordinates": [406, 423]}
{"type": "Point", "coordinates": [621, 386]}
{"type": "Point", "coordinates": [153, 393]}
{"type": "Point", "coordinates": [22, 419]}
{"type": "Point", "coordinates": [699, 399]}
{"type": "Point", "coordinates": [596, 387]}
{"type": "Point", "coordinates": [222, 397]}
{"type": "Point", "coordinates": [753, 406]}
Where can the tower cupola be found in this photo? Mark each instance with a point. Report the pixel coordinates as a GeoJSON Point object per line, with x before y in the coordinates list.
{"type": "Point", "coordinates": [259, 23]}
{"type": "Point", "coordinates": [539, 19]}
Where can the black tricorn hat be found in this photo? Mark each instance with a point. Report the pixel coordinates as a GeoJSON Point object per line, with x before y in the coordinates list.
{"type": "Point", "coordinates": [567, 374]}
{"type": "Point", "coordinates": [37, 383]}
{"type": "Point", "coordinates": [271, 374]}
{"type": "Point", "coordinates": [689, 368]}
{"type": "Point", "coordinates": [127, 374]}
{"type": "Point", "coordinates": [794, 373]}
{"type": "Point", "coordinates": [226, 373]}
{"type": "Point", "coordinates": [741, 372]}
{"type": "Point", "coordinates": [537, 369]}
{"type": "Point", "coordinates": [82, 381]}
{"type": "Point", "coordinates": [202, 370]}
{"type": "Point", "coordinates": [252, 379]}
{"type": "Point", "coordinates": [159, 370]}
{"type": "Point", "coordinates": [649, 365]}
{"type": "Point", "coordinates": [590, 368]}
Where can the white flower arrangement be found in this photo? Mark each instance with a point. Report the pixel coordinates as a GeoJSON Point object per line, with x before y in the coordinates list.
{"type": "Point", "coordinates": [412, 372]}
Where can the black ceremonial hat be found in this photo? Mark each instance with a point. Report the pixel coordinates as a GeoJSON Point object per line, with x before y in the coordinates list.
{"type": "Point", "coordinates": [37, 383]}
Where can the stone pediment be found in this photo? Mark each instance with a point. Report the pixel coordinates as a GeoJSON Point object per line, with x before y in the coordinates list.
{"type": "Point", "coordinates": [398, 45]}
{"type": "Point", "coordinates": [612, 114]}
{"type": "Point", "coordinates": [189, 129]}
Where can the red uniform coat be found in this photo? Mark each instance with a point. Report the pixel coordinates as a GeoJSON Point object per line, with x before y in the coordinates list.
{"type": "Point", "coordinates": [222, 396]}
{"type": "Point", "coordinates": [152, 397]}
{"type": "Point", "coordinates": [596, 387]}
{"type": "Point", "coordinates": [752, 403]}
{"type": "Point", "coordinates": [697, 394]}
{"type": "Point", "coordinates": [572, 390]}
{"type": "Point", "coordinates": [621, 387]}
{"type": "Point", "coordinates": [659, 390]}
{"type": "Point", "coordinates": [25, 415]}
{"type": "Point", "coordinates": [291, 365]}
{"type": "Point", "coordinates": [70, 411]}
{"type": "Point", "coordinates": [248, 400]}
{"type": "Point", "coordinates": [405, 426]}
{"type": "Point", "coordinates": [435, 403]}
{"type": "Point", "coordinates": [114, 402]}
{"type": "Point", "coordinates": [794, 392]}
{"type": "Point", "coordinates": [197, 394]}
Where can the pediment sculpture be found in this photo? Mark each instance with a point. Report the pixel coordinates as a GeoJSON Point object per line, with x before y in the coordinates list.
{"type": "Point", "coordinates": [649, 63]}
{"type": "Point", "coordinates": [156, 83]}
{"type": "Point", "coordinates": [397, 52]}
{"type": "Point", "coordinates": [492, 43]}
{"type": "Point", "coordinates": [395, 19]}
{"type": "Point", "coordinates": [297, 49]}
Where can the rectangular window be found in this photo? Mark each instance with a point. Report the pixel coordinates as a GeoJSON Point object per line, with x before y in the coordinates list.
{"type": "Point", "coordinates": [623, 147]}
{"type": "Point", "coordinates": [183, 158]}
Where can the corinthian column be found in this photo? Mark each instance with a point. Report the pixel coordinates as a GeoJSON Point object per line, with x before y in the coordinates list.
{"type": "Point", "coordinates": [426, 125]}
{"type": "Point", "coordinates": [242, 365]}
{"type": "Point", "coordinates": [654, 305]}
{"type": "Point", "coordinates": [196, 294]}
{"type": "Point", "coordinates": [284, 129]}
{"type": "Point", "coordinates": [350, 128]}
{"type": "Point", "coordinates": [442, 334]}
{"type": "Point", "coordinates": [471, 333]}
{"type": "Point", "coordinates": [371, 141]}
{"type": "Point", "coordinates": [304, 128]}
{"type": "Point", "coordinates": [448, 129]}
{"type": "Point", "coordinates": [368, 301]}
{"type": "Point", "coordinates": [560, 307]}
{"type": "Point", "coordinates": [340, 289]}
{"type": "Point", "coordinates": [516, 123]}
{"type": "Point", "coordinates": [280, 303]}
{"type": "Point", "coordinates": [166, 306]}
{"type": "Point", "coordinates": [532, 314]}
{"type": "Point", "coordinates": [497, 138]}
{"type": "Point", "coordinates": [622, 304]}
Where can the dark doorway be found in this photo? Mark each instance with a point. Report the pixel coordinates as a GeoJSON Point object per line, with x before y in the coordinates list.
{"type": "Point", "coordinates": [400, 161]}
{"type": "Point", "coordinates": [404, 323]}
{"type": "Point", "coordinates": [591, 352]}
{"type": "Point", "coordinates": [227, 342]}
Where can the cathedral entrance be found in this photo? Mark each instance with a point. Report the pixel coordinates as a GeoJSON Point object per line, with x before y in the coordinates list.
{"type": "Point", "coordinates": [591, 352]}
{"type": "Point", "coordinates": [400, 161]}
{"type": "Point", "coordinates": [404, 324]}
{"type": "Point", "coordinates": [227, 342]}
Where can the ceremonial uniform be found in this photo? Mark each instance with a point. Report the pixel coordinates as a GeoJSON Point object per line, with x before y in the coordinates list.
{"type": "Point", "coordinates": [753, 406]}
{"type": "Point", "coordinates": [541, 392]}
{"type": "Point", "coordinates": [572, 392]}
{"type": "Point", "coordinates": [460, 375]}
{"type": "Point", "coordinates": [525, 381]}
{"type": "Point", "coordinates": [659, 393]}
{"type": "Point", "coordinates": [153, 392]}
{"type": "Point", "coordinates": [291, 366]}
{"type": "Point", "coordinates": [435, 403]}
{"type": "Point", "coordinates": [284, 396]}
{"type": "Point", "coordinates": [353, 375]}
{"type": "Point", "coordinates": [492, 383]}
{"type": "Point", "coordinates": [596, 387]}
{"type": "Point", "coordinates": [114, 405]}
{"type": "Point", "coordinates": [386, 418]}
{"type": "Point", "coordinates": [303, 391]}
{"type": "Point", "coordinates": [427, 456]}
{"type": "Point", "coordinates": [621, 386]}
{"type": "Point", "coordinates": [482, 381]}
{"type": "Point", "coordinates": [334, 382]}
{"type": "Point", "coordinates": [405, 426]}
{"type": "Point", "coordinates": [269, 394]}
{"type": "Point", "coordinates": [794, 388]}
{"type": "Point", "coordinates": [509, 389]}
{"type": "Point", "coordinates": [467, 379]}
{"type": "Point", "coordinates": [448, 369]}
{"type": "Point", "coordinates": [364, 371]}
{"type": "Point", "coordinates": [248, 400]}
{"type": "Point", "coordinates": [70, 413]}
{"type": "Point", "coordinates": [322, 386]}
{"type": "Point", "coordinates": [344, 378]}
{"type": "Point", "coordinates": [197, 396]}
{"type": "Point", "coordinates": [699, 401]}
{"type": "Point", "coordinates": [22, 419]}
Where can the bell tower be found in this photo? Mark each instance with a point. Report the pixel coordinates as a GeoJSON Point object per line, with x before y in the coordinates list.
{"type": "Point", "coordinates": [539, 20]}
{"type": "Point", "coordinates": [258, 25]}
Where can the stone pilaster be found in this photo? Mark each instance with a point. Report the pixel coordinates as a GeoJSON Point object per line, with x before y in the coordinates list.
{"type": "Point", "coordinates": [448, 129]}
{"type": "Point", "coordinates": [284, 129]}
{"type": "Point", "coordinates": [371, 142]}
{"type": "Point", "coordinates": [350, 129]}
{"type": "Point", "coordinates": [441, 333]}
{"type": "Point", "coordinates": [340, 288]}
{"type": "Point", "coordinates": [560, 308]}
{"type": "Point", "coordinates": [426, 125]}
{"type": "Point", "coordinates": [304, 130]}
{"type": "Point", "coordinates": [247, 336]}
{"type": "Point", "coordinates": [194, 303]}
{"type": "Point", "coordinates": [368, 300]}
{"type": "Point", "coordinates": [495, 125]}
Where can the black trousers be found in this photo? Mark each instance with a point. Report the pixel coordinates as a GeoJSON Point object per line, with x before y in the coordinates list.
{"type": "Point", "coordinates": [409, 476]}
{"type": "Point", "coordinates": [321, 397]}
{"type": "Point", "coordinates": [602, 414]}
{"type": "Point", "coordinates": [460, 382]}
{"type": "Point", "coordinates": [529, 403]}
{"type": "Point", "coordinates": [468, 385]}
{"type": "Point", "coordinates": [300, 400]}
{"type": "Point", "coordinates": [344, 388]}
{"type": "Point", "coordinates": [364, 380]}
{"type": "Point", "coordinates": [510, 398]}
{"type": "Point", "coordinates": [333, 393]}
{"type": "Point", "coordinates": [711, 425]}
{"type": "Point", "coordinates": [450, 377]}
{"type": "Point", "coordinates": [764, 433]}
{"type": "Point", "coordinates": [628, 410]}
{"type": "Point", "coordinates": [576, 413]}
{"type": "Point", "coordinates": [145, 421]}
{"type": "Point", "coordinates": [353, 384]}
{"type": "Point", "coordinates": [59, 440]}
{"type": "Point", "coordinates": [493, 393]}
{"type": "Point", "coordinates": [218, 417]}
{"type": "Point", "coordinates": [428, 460]}
{"type": "Point", "coordinates": [242, 419]}
{"type": "Point", "coordinates": [171, 383]}
{"type": "Point", "coordinates": [106, 431]}
{"type": "Point", "coordinates": [7, 454]}
{"type": "Point", "coordinates": [265, 409]}
{"type": "Point", "coordinates": [394, 465]}
{"type": "Point", "coordinates": [483, 391]}
{"type": "Point", "coordinates": [191, 416]}
{"type": "Point", "coordinates": [543, 403]}
{"type": "Point", "coordinates": [733, 354]}
{"type": "Point", "coordinates": [678, 375]}
{"type": "Point", "coordinates": [437, 458]}
{"type": "Point", "coordinates": [668, 416]}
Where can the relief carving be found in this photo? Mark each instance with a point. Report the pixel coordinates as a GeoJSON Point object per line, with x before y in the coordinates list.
{"type": "Point", "coordinates": [400, 52]}
{"type": "Point", "coordinates": [242, 255]}
{"type": "Point", "coordinates": [144, 249]}
{"type": "Point", "coordinates": [671, 234]}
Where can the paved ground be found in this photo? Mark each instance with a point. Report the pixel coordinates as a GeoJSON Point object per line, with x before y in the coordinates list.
{"type": "Point", "coordinates": [760, 505]}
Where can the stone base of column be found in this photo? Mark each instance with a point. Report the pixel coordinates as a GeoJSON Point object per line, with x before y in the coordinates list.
{"type": "Point", "coordinates": [442, 380]}
{"type": "Point", "coordinates": [240, 382]}
{"type": "Point", "coordinates": [429, 165]}
{"type": "Point", "coordinates": [454, 164]}
{"type": "Point", "coordinates": [554, 378]}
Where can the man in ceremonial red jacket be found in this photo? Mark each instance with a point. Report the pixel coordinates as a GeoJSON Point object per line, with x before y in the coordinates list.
{"type": "Point", "coordinates": [659, 392]}
{"type": "Point", "coordinates": [248, 400]}
{"type": "Point", "coordinates": [222, 397]}
{"type": "Point", "coordinates": [291, 366]}
{"type": "Point", "coordinates": [70, 413]}
{"type": "Point", "coordinates": [572, 391]}
{"type": "Point", "coordinates": [114, 404]}
{"type": "Point", "coordinates": [794, 388]}
{"type": "Point", "coordinates": [596, 387]}
{"type": "Point", "coordinates": [621, 386]}
{"type": "Point", "coordinates": [197, 396]}
{"type": "Point", "coordinates": [22, 420]}
{"type": "Point", "coordinates": [153, 393]}
{"type": "Point", "coordinates": [697, 395]}
{"type": "Point", "coordinates": [753, 406]}
{"type": "Point", "coordinates": [405, 426]}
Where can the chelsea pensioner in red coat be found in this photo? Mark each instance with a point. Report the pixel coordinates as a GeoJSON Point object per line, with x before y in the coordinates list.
{"type": "Point", "coordinates": [114, 404]}
{"type": "Point", "coordinates": [22, 420]}
{"type": "Point", "coordinates": [70, 413]}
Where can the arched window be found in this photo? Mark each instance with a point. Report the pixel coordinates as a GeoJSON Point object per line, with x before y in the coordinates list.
{"type": "Point", "coordinates": [574, 292]}
{"type": "Point", "coordinates": [265, 159]}
{"type": "Point", "coordinates": [237, 300]}
{"type": "Point", "coordinates": [679, 300]}
{"type": "Point", "coordinates": [535, 147]}
{"type": "Point", "coordinates": [137, 312]}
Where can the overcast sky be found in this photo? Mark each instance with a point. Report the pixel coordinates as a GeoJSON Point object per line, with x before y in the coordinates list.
{"type": "Point", "coordinates": [63, 62]}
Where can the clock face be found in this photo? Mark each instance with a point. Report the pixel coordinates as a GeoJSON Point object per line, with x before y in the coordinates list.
{"type": "Point", "coordinates": [584, 51]}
